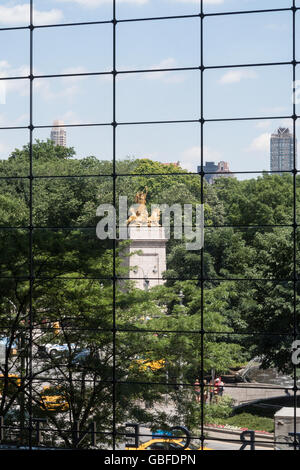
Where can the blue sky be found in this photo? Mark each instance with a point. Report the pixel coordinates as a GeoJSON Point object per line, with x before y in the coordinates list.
{"type": "Point", "coordinates": [228, 92]}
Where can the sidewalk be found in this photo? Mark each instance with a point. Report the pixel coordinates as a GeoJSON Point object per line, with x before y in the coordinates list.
{"type": "Point", "coordinates": [263, 441]}
{"type": "Point", "coordinates": [247, 392]}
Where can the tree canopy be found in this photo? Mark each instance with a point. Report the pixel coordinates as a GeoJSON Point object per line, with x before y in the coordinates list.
{"type": "Point", "coordinates": [216, 309]}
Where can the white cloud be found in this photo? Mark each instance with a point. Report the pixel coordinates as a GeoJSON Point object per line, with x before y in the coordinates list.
{"type": "Point", "coordinates": [20, 86]}
{"type": "Point", "coordinates": [4, 65]}
{"type": "Point", "coordinates": [270, 124]}
{"type": "Point", "coordinates": [164, 64]}
{"type": "Point", "coordinates": [78, 69]}
{"type": "Point", "coordinates": [284, 123]}
{"type": "Point", "coordinates": [44, 17]}
{"type": "Point", "coordinates": [277, 27]}
{"type": "Point", "coordinates": [192, 153]}
{"type": "Point", "coordinates": [207, 2]}
{"type": "Point", "coordinates": [264, 124]}
{"type": "Point", "coordinates": [44, 88]}
{"type": "Point", "coordinates": [75, 70]}
{"type": "Point", "coordinates": [211, 155]}
{"type": "Point", "coordinates": [97, 3]}
{"type": "Point", "coordinates": [21, 120]}
{"type": "Point", "coordinates": [167, 77]}
{"type": "Point", "coordinates": [68, 87]}
{"type": "Point", "coordinates": [175, 78]}
{"type": "Point", "coordinates": [20, 14]}
{"type": "Point", "coordinates": [81, 70]}
{"type": "Point", "coordinates": [260, 143]}
{"type": "Point", "coordinates": [4, 148]}
{"type": "Point", "coordinates": [3, 120]}
{"type": "Point", "coordinates": [275, 109]}
{"type": "Point", "coordinates": [235, 76]}
{"type": "Point", "coordinates": [70, 117]}
{"type": "Point", "coordinates": [13, 139]}
{"type": "Point", "coordinates": [170, 62]}
{"type": "Point", "coordinates": [191, 157]}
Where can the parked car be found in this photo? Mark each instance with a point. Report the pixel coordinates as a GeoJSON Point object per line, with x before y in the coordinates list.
{"type": "Point", "coordinates": [88, 356]}
{"type": "Point", "coordinates": [54, 350]}
{"type": "Point", "coordinates": [81, 356]}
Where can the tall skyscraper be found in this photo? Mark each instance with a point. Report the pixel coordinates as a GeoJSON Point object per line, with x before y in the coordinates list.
{"type": "Point", "coordinates": [59, 134]}
{"type": "Point", "coordinates": [282, 150]}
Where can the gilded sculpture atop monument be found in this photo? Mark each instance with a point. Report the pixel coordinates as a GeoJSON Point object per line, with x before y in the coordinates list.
{"type": "Point", "coordinates": [139, 216]}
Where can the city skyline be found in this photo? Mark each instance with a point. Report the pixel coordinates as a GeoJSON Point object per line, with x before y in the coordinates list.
{"type": "Point", "coordinates": [150, 236]}
{"type": "Point", "coordinates": [265, 92]}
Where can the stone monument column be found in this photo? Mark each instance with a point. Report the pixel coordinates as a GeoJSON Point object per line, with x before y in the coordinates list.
{"type": "Point", "coordinates": [147, 249]}
{"type": "Point", "coordinates": [147, 266]}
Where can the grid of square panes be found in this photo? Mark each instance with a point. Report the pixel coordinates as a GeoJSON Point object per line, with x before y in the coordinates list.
{"type": "Point", "coordinates": [137, 84]}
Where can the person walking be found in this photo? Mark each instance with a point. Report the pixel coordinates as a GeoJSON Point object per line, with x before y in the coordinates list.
{"type": "Point", "coordinates": [211, 390]}
{"type": "Point", "coordinates": [197, 390]}
{"type": "Point", "coordinates": [205, 391]}
{"type": "Point", "coordinates": [219, 387]}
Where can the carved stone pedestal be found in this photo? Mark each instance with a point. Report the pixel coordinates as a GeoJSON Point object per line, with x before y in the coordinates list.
{"type": "Point", "coordinates": [147, 266]}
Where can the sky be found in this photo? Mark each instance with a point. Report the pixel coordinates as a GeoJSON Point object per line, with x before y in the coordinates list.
{"type": "Point", "coordinates": [152, 96]}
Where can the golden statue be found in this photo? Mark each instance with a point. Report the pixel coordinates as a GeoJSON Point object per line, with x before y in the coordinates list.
{"type": "Point", "coordinates": [139, 216]}
{"type": "Point", "coordinates": [154, 219]}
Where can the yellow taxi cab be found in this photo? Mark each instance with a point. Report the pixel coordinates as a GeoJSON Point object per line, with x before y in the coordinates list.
{"type": "Point", "coordinates": [166, 444]}
{"type": "Point", "coordinates": [13, 382]}
{"type": "Point", "coordinates": [53, 402]}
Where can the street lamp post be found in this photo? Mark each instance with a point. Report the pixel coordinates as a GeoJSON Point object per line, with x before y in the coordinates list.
{"type": "Point", "coordinates": [146, 283]}
{"type": "Point", "coordinates": [145, 277]}
{"type": "Point", "coordinates": [181, 299]}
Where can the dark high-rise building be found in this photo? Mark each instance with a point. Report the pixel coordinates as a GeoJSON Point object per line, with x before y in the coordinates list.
{"type": "Point", "coordinates": [282, 150]}
{"type": "Point", "coordinates": [209, 169]}
{"type": "Point", "coordinates": [213, 171]}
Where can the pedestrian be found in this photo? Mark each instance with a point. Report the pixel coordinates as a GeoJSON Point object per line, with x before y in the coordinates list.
{"type": "Point", "coordinates": [216, 387]}
{"type": "Point", "coordinates": [211, 390]}
{"type": "Point", "coordinates": [197, 390]}
{"type": "Point", "coordinates": [205, 391]}
{"type": "Point", "coordinates": [219, 387]}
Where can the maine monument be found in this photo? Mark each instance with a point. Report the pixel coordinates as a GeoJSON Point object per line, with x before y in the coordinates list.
{"type": "Point", "coordinates": [146, 254]}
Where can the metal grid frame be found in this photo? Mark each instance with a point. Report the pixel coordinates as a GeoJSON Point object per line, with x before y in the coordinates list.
{"type": "Point", "coordinates": [201, 69]}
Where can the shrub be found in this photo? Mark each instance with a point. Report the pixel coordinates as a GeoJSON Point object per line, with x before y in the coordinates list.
{"type": "Point", "coordinates": [219, 410]}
